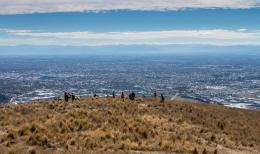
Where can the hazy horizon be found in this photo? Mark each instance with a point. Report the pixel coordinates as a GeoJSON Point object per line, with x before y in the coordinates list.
{"type": "Point", "coordinates": [127, 49]}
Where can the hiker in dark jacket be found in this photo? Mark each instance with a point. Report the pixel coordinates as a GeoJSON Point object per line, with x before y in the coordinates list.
{"type": "Point", "coordinates": [66, 96]}
{"type": "Point", "coordinates": [122, 95]}
{"type": "Point", "coordinates": [162, 98]}
{"type": "Point", "coordinates": [114, 94]}
{"type": "Point", "coordinates": [73, 97]}
{"type": "Point", "coordinates": [155, 94]}
{"type": "Point", "coordinates": [132, 96]}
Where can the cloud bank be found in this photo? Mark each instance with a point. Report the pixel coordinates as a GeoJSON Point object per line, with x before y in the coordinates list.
{"type": "Point", "coordinates": [220, 37]}
{"type": "Point", "coordinates": [47, 6]}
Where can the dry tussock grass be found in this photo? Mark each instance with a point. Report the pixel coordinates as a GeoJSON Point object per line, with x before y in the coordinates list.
{"type": "Point", "coordinates": [107, 125]}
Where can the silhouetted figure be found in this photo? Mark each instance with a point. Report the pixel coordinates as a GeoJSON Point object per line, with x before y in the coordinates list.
{"type": "Point", "coordinates": [95, 95]}
{"type": "Point", "coordinates": [73, 97]}
{"type": "Point", "coordinates": [122, 95]}
{"type": "Point", "coordinates": [114, 94]}
{"type": "Point", "coordinates": [132, 96]}
{"type": "Point", "coordinates": [162, 98]}
{"type": "Point", "coordinates": [155, 94]}
{"type": "Point", "coordinates": [66, 96]}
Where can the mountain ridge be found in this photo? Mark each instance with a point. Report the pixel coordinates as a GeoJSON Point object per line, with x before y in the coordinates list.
{"type": "Point", "coordinates": [107, 125]}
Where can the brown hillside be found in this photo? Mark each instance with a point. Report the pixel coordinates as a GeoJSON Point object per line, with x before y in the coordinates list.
{"type": "Point", "coordinates": [107, 125]}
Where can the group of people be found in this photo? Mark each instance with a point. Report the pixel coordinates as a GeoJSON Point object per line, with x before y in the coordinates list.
{"type": "Point", "coordinates": [162, 97]}
{"type": "Point", "coordinates": [67, 96]}
{"type": "Point", "coordinates": [131, 96]}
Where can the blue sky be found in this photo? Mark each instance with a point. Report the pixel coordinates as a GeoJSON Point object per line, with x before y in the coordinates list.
{"type": "Point", "coordinates": [143, 22]}
{"type": "Point", "coordinates": [231, 19]}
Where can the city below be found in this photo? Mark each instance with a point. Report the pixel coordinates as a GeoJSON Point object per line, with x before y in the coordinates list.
{"type": "Point", "coordinates": [232, 80]}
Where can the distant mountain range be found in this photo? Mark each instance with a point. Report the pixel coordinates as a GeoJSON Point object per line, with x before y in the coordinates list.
{"type": "Point", "coordinates": [125, 49]}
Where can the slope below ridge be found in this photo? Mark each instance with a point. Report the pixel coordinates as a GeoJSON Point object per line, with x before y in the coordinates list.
{"type": "Point", "coordinates": [107, 125]}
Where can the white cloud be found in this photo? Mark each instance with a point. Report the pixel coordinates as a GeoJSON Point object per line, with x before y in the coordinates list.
{"type": "Point", "coordinates": [209, 37]}
{"type": "Point", "coordinates": [14, 30]}
{"type": "Point", "coordinates": [43, 6]}
{"type": "Point", "coordinates": [242, 30]}
{"type": "Point", "coordinates": [216, 34]}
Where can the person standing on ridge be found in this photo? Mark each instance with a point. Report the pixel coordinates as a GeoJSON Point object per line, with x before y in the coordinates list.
{"type": "Point", "coordinates": [162, 98]}
{"type": "Point", "coordinates": [114, 94]}
{"type": "Point", "coordinates": [132, 96]}
{"type": "Point", "coordinates": [66, 97]}
{"type": "Point", "coordinates": [155, 94]}
{"type": "Point", "coordinates": [122, 95]}
{"type": "Point", "coordinates": [73, 97]}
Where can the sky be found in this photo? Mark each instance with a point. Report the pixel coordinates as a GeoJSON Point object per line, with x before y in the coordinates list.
{"type": "Point", "coordinates": [129, 22]}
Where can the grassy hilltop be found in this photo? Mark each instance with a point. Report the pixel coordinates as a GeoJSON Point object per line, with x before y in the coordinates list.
{"type": "Point", "coordinates": [107, 125]}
